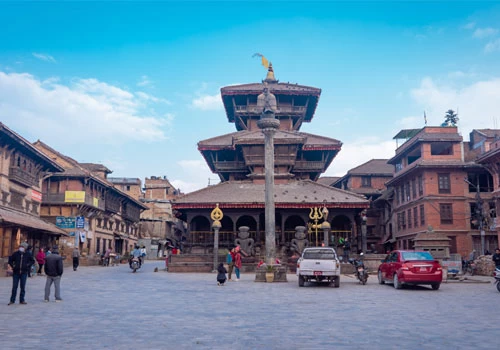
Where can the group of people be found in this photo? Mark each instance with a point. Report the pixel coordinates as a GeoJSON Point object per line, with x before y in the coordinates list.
{"type": "Point", "coordinates": [20, 263]}
{"type": "Point", "coordinates": [233, 261]}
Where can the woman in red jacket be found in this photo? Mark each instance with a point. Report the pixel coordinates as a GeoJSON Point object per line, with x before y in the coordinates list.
{"type": "Point", "coordinates": [40, 259]}
{"type": "Point", "coordinates": [237, 262]}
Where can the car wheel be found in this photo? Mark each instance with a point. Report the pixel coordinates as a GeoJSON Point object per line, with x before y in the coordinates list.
{"type": "Point", "coordinates": [498, 286]}
{"type": "Point", "coordinates": [301, 281]}
{"type": "Point", "coordinates": [380, 279]}
{"type": "Point", "coordinates": [336, 284]}
{"type": "Point", "coordinates": [435, 286]}
{"type": "Point", "coordinates": [396, 282]}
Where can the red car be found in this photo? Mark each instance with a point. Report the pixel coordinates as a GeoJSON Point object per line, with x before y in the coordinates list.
{"type": "Point", "coordinates": [402, 267]}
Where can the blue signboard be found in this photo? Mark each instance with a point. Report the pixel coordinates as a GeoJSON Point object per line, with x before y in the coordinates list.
{"type": "Point", "coordinates": [65, 222]}
{"type": "Point", "coordinates": [80, 222]}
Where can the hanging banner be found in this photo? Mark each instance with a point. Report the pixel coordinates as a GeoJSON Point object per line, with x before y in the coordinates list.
{"type": "Point", "coordinates": [80, 222]}
{"type": "Point", "coordinates": [82, 236]}
{"type": "Point", "coordinates": [74, 196]}
{"type": "Point", "coordinates": [36, 196]}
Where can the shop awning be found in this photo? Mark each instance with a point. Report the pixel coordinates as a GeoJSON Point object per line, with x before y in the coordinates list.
{"type": "Point", "coordinates": [14, 217]}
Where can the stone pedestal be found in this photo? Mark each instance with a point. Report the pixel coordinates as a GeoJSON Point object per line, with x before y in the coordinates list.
{"type": "Point", "coordinates": [279, 274]}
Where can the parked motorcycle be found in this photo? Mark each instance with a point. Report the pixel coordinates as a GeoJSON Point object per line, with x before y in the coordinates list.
{"type": "Point", "coordinates": [497, 278]}
{"type": "Point", "coordinates": [135, 264]}
{"type": "Point", "coordinates": [361, 272]}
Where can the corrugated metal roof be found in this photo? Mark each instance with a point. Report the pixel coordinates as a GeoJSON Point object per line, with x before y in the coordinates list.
{"type": "Point", "coordinates": [23, 219]}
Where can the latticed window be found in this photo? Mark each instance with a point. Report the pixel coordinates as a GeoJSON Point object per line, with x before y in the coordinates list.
{"type": "Point", "coordinates": [420, 185]}
{"type": "Point", "coordinates": [415, 217]}
{"type": "Point", "coordinates": [444, 183]}
{"type": "Point", "coordinates": [413, 188]}
{"type": "Point", "coordinates": [422, 215]}
{"type": "Point", "coordinates": [409, 218]}
{"type": "Point", "coordinates": [446, 213]}
{"type": "Point", "coordinates": [366, 181]}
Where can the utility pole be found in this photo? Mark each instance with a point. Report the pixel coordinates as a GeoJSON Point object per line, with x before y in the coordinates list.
{"type": "Point", "coordinates": [479, 213]}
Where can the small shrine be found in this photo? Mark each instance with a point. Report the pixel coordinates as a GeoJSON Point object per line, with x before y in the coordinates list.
{"type": "Point", "coordinates": [435, 243]}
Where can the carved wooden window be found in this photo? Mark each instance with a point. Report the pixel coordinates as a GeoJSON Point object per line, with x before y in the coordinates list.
{"type": "Point", "coordinates": [415, 217]}
{"type": "Point", "coordinates": [446, 213]}
{"type": "Point", "coordinates": [16, 200]}
{"type": "Point", "coordinates": [444, 183]}
{"type": "Point", "coordinates": [366, 181]}
{"type": "Point", "coordinates": [409, 218]}
{"type": "Point", "coordinates": [422, 215]}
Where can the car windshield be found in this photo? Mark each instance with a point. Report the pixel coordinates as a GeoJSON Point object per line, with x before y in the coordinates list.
{"type": "Point", "coordinates": [417, 256]}
{"type": "Point", "coordinates": [319, 254]}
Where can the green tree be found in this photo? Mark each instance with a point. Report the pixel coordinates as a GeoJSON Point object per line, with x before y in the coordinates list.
{"type": "Point", "coordinates": [451, 118]}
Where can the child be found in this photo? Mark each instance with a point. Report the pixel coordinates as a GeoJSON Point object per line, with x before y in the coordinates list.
{"type": "Point", "coordinates": [221, 274]}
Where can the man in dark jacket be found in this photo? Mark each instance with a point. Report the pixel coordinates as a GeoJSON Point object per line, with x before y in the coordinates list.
{"type": "Point", "coordinates": [496, 258]}
{"type": "Point", "coordinates": [20, 262]}
{"type": "Point", "coordinates": [54, 271]}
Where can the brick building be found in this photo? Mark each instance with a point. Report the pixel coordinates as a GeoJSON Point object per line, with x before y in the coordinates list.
{"type": "Point", "coordinates": [22, 169]}
{"type": "Point", "coordinates": [110, 217]}
{"type": "Point", "coordinates": [438, 183]}
{"type": "Point", "coordinates": [369, 179]}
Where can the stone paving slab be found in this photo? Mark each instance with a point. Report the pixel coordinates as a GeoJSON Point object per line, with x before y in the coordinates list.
{"type": "Point", "coordinates": [113, 308]}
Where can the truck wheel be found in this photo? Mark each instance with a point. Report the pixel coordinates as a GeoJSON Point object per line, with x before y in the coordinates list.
{"type": "Point", "coordinates": [435, 286]}
{"type": "Point", "coordinates": [336, 284]}
{"type": "Point", "coordinates": [301, 281]}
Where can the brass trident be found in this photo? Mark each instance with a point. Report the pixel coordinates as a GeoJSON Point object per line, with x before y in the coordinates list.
{"type": "Point", "coordinates": [316, 214]}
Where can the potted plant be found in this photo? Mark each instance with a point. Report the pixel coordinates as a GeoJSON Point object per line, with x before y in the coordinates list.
{"type": "Point", "coordinates": [269, 273]}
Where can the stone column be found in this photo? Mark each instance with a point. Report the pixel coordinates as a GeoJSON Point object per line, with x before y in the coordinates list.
{"type": "Point", "coordinates": [269, 124]}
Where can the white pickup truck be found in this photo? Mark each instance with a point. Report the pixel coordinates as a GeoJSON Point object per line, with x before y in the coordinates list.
{"type": "Point", "coordinates": [319, 264]}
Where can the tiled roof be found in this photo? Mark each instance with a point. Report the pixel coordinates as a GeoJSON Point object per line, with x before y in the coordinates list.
{"type": "Point", "coordinates": [434, 163]}
{"type": "Point", "coordinates": [489, 132]}
{"type": "Point", "coordinates": [327, 180]}
{"type": "Point", "coordinates": [23, 219]}
{"type": "Point", "coordinates": [275, 88]}
{"type": "Point", "coordinates": [281, 136]}
{"type": "Point", "coordinates": [78, 170]}
{"type": "Point", "coordinates": [249, 194]}
{"type": "Point", "coordinates": [373, 167]}
{"type": "Point", "coordinates": [95, 167]}
{"type": "Point", "coordinates": [30, 149]}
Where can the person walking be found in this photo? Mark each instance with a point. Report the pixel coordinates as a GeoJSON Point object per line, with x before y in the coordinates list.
{"type": "Point", "coordinates": [230, 263]}
{"type": "Point", "coordinates": [496, 258]}
{"type": "Point", "coordinates": [237, 262]}
{"type": "Point", "coordinates": [106, 256]}
{"type": "Point", "coordinates": [54, 271]}
{"type": "Point", "coordinates": [40, 259]}
{"type": "Point", "coordinates": [347, 249]}
{"type": "Point", "coordinates": [221, 274]}
{"type": "Point", "coordinates": [76, 258]}
{"type": "Point", "coordinates": [20, 262]}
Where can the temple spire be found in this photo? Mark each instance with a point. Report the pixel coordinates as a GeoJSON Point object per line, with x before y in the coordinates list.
{"type": "Point", "coordinates": [270, 75]}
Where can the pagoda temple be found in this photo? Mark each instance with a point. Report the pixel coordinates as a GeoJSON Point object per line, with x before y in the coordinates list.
{"type": "Point", "coordinates": [299, 159]}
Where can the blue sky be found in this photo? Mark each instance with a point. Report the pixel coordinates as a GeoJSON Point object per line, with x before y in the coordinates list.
{"type": "Point", "coordinates": [135, 86]}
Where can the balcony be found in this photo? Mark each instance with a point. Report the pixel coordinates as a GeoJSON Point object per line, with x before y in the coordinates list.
{"type": "Point", "coordinates": [308, 166]}
{"type": "Point", "coordinates": [230, 165]}
{"type": "Point", "coordinates": [22, 176]}
{"type": "Point", "coordinates": [58, 199]}
{"type": "Point", "coordinates": [288, 110]}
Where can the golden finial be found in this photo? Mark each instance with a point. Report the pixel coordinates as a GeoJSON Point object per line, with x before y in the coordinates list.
{"type": "Point", "coordinates": [270, 74]}
{"type": "Point", "coordinates": [216, 214]}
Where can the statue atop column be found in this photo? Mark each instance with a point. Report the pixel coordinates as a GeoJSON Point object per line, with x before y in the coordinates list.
{"type": "Point", "coordinates": [266, 102]}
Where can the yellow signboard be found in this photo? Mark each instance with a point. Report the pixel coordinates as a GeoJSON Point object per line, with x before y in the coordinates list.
{"type": "Point", "coordinates": [74, 196]}
{"type": "Point", "coordinates": [95, 202]}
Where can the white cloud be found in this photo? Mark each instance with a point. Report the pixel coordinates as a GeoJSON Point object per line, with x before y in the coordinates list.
{"type": "Point", "coordinates": [208, 103]}
{"type": "Point", "coordinates": [145, 81]}
{"type": "Point", "coordinates": [148, 97]}
{"type": "Point", "coordinates": [492, 46]}
{"type": "Point", "coordinates": [470, 25]}
{"type": "Point", "coordinates": [88, 110]}
{"type": "Point", "coordinates": [478, 103]}
{"type": "Point", "coordinates": [481, 33]}
{"type": "Point", "coordinates": [44, 57]}
{"type": "Point", "coordinates": [360, 151]}
{"type": "Point", "coordinates": [197, 175]}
